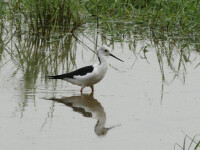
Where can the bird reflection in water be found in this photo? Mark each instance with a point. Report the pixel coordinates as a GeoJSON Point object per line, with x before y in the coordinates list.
{"type": "Point", "coordinates": [88, 107]}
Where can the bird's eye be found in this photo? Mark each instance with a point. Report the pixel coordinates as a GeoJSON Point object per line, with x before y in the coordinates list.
{"type": "Point", "coordinates": [106, 50]}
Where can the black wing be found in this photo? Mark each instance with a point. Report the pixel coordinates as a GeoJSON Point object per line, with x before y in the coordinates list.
{"type": "Point", "coordinates": [79, 72]}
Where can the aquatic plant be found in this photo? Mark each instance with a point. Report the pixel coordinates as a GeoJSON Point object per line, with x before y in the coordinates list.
{"type": "Point", "coordinates": [170, 16]}
{"type": "Point", "coordinates": [173, 16]}
{"type": "Point", "coordinates": [44, 17]}
{"type": "Point", "coordinates": [189, 143]}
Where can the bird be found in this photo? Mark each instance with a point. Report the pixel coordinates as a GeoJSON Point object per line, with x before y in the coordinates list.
{"type": "Point", "coordinates": [89, 75]}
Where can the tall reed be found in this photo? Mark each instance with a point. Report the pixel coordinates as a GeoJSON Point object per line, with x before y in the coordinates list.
{"type": "Point", "coordinates": [171, 16]}
{"type": "Point", "coordinates": [49, 15]}
{"type": "Point", "coordinates": [175, 16]}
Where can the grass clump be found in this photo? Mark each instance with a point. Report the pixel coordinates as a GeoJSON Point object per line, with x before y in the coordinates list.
{"type": "Point", "coordinates": [189, 143]}
{"type": "Point", "coordinates": [45, 16]}
{"type": "Point", "coordinates": [171, 16]}
{"type": "Point", "coordinates": [174, 16]}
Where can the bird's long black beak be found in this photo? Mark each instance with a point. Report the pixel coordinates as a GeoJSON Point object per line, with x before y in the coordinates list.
{"type": "Point", "coordinates": [116, 57]}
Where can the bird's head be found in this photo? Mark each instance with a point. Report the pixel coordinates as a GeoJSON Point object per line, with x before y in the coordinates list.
{"type": "Point", "coordinates": [105, 51]}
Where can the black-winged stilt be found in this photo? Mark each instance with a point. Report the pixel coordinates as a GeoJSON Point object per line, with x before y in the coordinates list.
{"type": "Point", "coordinates": [89, 75]}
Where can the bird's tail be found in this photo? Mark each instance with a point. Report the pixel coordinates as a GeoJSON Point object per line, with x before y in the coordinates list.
{"type": "Point", "coordinates": [54, 77]}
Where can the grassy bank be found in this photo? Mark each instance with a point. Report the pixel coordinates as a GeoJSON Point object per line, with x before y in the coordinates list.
{"type": "Point", "coordinates": [171, 16]}
{"type": "Point", "coordinates": [174, 16]}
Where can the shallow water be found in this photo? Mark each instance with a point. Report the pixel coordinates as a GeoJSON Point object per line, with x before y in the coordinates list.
{"type": "Point", "coordinates": [146, 103]}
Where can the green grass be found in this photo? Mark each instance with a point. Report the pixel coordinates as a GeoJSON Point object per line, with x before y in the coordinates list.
{"type": "Point", "coordinates": [189, 143]}
{"type": "Point", "coordinates": [44, 17]}
{"type": "Point", "coordinates": [174, 16]}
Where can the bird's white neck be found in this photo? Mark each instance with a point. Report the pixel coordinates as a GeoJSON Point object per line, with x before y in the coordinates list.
{"type": "Point", "coordinates": [102, 60]}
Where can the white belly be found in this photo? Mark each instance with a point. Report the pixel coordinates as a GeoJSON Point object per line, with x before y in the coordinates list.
{"type": "Point", "coordinates": [91, 78]}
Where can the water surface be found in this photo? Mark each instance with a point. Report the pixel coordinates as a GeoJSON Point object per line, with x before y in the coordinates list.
{"type": "Point", "coordinates": [151, 101]}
